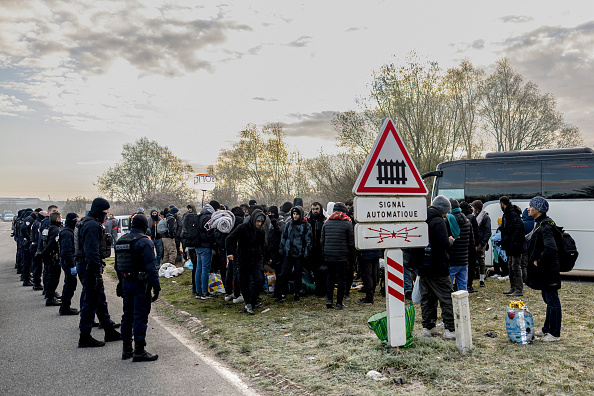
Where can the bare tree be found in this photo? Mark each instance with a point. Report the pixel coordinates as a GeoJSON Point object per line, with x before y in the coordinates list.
{"type": "Point", "coordinates": [519, 116]}
{"type": "Point", "coordinates": [333, 176]}
{"type": "Point", "coordinates": [76, 205]}
{"type": "Point", "coordinates": [147, 170]}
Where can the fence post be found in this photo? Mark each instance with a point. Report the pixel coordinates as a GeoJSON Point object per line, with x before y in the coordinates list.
{"type": "Point", "coordinates": [462, 321]}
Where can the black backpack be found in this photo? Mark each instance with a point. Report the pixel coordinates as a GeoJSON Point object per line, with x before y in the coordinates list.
{"type": "Point", "coordinates": [566, 248]}
{"type": "Point", "coordinates": [191, 230]}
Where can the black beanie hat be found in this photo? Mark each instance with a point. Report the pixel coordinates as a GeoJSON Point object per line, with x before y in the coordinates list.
{"type": "Point", "coordinates": [455, 204]}
{"type": "Point", "coordinates": [339, 207]}
{"type": "Point", "coordinates": [173, 210]}
{"type": "Point", "coordinates": [252, 202]}
{"type": "Point", "coordinates": [274, 210]}
{"type": "Point", "coordinates": [286, 207]}
{"type": "Point", "coordinates": [215, 204]}
{"type": "Point", "coordinates": [298, 202]}
{"type": "Point", "coordinates": [99, 205]}
{"type": "Point", "coordinates": [140, 222]}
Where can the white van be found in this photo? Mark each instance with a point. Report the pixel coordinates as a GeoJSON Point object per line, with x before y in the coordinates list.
{"type": "Point", "coordinates": [124, 226]}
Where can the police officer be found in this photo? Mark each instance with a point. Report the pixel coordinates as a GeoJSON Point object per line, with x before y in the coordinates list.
{"type": "Point", "coordinates": [51, 257]}
{"type": "Point", "coordinates": [43, 235]}
{"type": "Point", "coordinates": [16, 234]}
{"type": "Point", "coordinates": [67, 263]}
{"type": "Point", "coordinates": [37, 261]}
{"type": "Point", "coordinates": [90, 249]}
{"type": "Point", "coordinates": [27, 240]}
{"type": "Point", "coordinates": [136, 266]}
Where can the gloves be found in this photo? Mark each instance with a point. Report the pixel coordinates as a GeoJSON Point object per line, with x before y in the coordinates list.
{"type": "Point", "coordinates": [155, 295]}
{"type": "Point", "coordinates": [73, 271]}
{"type": "Point", "coordinates": [119, 291]}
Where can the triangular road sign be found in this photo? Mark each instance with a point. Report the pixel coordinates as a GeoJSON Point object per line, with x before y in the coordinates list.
{"type": "Point", "coordinates": [389, 169]}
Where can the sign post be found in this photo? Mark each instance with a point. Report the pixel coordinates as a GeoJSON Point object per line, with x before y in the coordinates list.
{"type": "Point", "coordinates": [205, 183]}
{"type": "Point", "coordinates": [391, 215]}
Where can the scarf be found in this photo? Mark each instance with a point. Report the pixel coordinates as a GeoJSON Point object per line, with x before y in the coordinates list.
{"type": "Point", "coordinates": [454, 227]}
{"type": "Point", "coordinates": [481, 216]}
{"type": "Point", "coordinates": [338, 216]}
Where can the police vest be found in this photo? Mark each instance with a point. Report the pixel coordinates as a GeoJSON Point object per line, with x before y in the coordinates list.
{"type": "Point", "coordinates": [105, 240]}
{"type": "Point", "coordinates": [126, 261]}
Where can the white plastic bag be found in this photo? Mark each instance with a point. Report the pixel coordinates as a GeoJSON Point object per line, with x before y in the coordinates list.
{"type": "Point", "coordinates": [416, 292]}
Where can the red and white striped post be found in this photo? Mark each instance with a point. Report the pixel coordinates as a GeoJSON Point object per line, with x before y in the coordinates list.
{"type": "Point", "coordinates": [395, 314]}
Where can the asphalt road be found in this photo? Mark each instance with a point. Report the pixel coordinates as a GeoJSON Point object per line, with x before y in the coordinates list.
{"type": "Point", "coordinates": [39, 353]}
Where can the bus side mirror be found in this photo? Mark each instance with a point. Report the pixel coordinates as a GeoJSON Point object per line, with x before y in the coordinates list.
{"type": "Point", "coordinates": [433, 173]}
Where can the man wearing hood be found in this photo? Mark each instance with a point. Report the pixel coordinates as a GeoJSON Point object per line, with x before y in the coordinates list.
{"type": "Point", "coordinates": [435, 272]}
{"type": "Point", "coordinates": [247, 245]}
{"type": "Point", "coordinates": [315, 264]}
{"type": "Point", "coordinates": [66, 238]}
{"type": "Point", "coordinates": [461, 229]}
{"type": "Point", "coordinates": [153, 221]}
{"type": "Point", "coordinates": [232, 279]}
{"type": "Point", "coordinates": [90, 250]}
{"type": "Point", "coordinates": [168, 238]}
{"type": "Point", "coordinates": [295, 246]}
{"type": "Point", "coordinates": [338, 244]}
{"type": "Point", "coordinates": [136, 267]}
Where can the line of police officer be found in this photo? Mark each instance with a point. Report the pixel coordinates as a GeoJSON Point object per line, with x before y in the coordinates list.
{"type": "Point", "coordinates": [79, 248]}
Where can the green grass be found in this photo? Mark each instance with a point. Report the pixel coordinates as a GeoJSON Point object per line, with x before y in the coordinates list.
{"type": "Point", "coordinates": [304, 348]}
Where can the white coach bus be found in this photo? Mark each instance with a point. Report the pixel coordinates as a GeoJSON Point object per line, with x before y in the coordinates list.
{"type": "Point", "coordinates": [565, 177]}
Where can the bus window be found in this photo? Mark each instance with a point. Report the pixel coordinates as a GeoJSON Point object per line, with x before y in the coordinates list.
{"type": "Point", "coordinates": [451, 184]}
{"type": "Point", "coordinates": [564, 179]}
{"type": "Point", "coordinates": [488, 181]}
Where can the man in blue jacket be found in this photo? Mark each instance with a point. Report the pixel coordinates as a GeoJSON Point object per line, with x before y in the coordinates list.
{"type": "Point", "coordinates": [136, 266]}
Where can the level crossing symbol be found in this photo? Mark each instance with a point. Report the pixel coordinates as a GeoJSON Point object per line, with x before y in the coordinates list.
{"type": "Point", "coordinates": [389, 169]}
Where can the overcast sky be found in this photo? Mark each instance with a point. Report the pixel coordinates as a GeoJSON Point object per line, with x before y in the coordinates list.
{"type": "Point", "coordinates": [80, 78]}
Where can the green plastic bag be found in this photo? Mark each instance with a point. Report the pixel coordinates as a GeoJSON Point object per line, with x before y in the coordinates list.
{"type": "Point", "coordinates": [379, 324]}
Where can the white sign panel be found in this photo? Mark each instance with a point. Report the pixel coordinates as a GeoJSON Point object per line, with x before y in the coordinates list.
{"type": "Point", "coordinates": [204, 182]}
{"type": "Point", "coordinates": [386, 209]}
{"type": "Point", "coordinates": [391, 235]}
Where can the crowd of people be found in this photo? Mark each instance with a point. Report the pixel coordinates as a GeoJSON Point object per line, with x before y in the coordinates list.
{"type": "Point", "coordinates": [246, 242]}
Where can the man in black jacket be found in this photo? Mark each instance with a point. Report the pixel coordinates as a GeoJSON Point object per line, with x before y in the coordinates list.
{"type": "Point", "coordinates": [484, 235]}
{"type": "Point", "coordinates": [68, 264]}
{"type": "Point", "coordinates": [247, 245]}
{"type": "Point", "coordinates": [543, 266]}
{"type": "Point", "coordinates": [27, 241]}
{"type": "Point", "coordinates": [51, 257]}
{"type": "Point", "coordinates": [315, 264]}
{"type": "Point", "coordinates": [461, 229]}
{"type": "Point", "coordinates": [169, 252]}
{"type": "Point", "coordinates": [435, 272]}
{"type": "Point", "coordinates": [338, 244]}
{"type": "Point", "coordinates": [514, 243]}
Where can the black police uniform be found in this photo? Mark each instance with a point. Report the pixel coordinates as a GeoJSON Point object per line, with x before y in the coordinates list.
{"type": "Point", "coordinates": [67, 263]}
{"type": "Point", "coordinates": [37, 261]}
{"type": "Point", "coordinates": [43, 238]}
{"type": "Point", "coordinates": [27, 257]}
{"type": "Point", "coordinates": [136, 266]}
{"type": "Point", "coordinates": [51, 258]}
{"type": "Point", "coordinates": [90, 271]}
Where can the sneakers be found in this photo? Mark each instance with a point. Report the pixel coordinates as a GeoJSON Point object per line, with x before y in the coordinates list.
{"type": "Point", "coordinates": [280, 298]}
{"type": "Point", "coordinates": [510, 291]}
{"type": "Point", "coordinates": [449, 335]}
{"type": "Point", "coordinates": [516, 294]}
{"type": "Point", "coordinates": [472, 290]}
{"type": "Point", "coordinates": [340, 307]}
{"type": "Point", "coordinates": [364, 302]}
{"type": "Point", "coordinates": [329, 304]}
{"type": "Point", "coordinates": [430, 333]}
{"type": "Point", "coordinates": [258, 305]}
{"type": "Point", "coordinates": [482, 284]}
{"type": "Point", "coordinates": [440, 326]}
{"type": "Point", "coordinates": [550, 338]}
{"type": "Point", "coordinates": [248, 309]}
{"type": "Point", "coordinates": [206, 296]}
{"type": "Point", "coordinates": [539, 333]}
{"type": "Point", "coordinates": [238, 299]}
{"type": "Point", "coordinates": [229, 297]}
